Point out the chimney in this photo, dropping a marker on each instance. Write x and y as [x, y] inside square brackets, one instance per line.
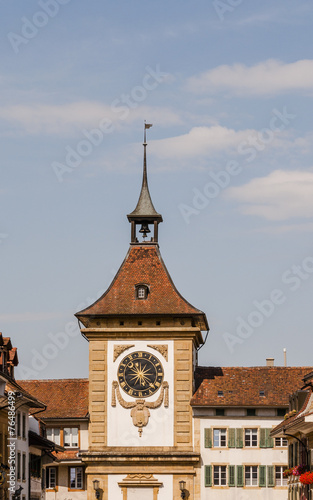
[269, 361]
[285, 356]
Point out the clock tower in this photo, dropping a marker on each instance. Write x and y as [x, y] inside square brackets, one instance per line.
[143, 340]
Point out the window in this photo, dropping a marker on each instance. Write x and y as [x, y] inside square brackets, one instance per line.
[76, 478]
[220, 393]
[220, 412]
[251, 437]
[70, 435]
[24, 467]
[51, 478]
[53, 434]
[219, 438]
[280, 480]
[18, 465]
[251, 475]
[279, 442]
[219, 475]
[18, 424]
[251, 412]
[35, 465]
[142, 292]
[262, 393]
[24, 425]
[280, 412]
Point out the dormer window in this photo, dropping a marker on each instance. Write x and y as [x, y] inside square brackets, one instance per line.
[142, 292]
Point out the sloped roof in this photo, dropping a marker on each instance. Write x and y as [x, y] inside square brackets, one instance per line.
[143, 264]
[65, 398]
[241, 386]
[66, 455]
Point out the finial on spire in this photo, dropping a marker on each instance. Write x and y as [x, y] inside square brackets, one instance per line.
[145, 212]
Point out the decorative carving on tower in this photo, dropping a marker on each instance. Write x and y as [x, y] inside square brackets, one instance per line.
[140, 407]
[119, 349]
[161, 348]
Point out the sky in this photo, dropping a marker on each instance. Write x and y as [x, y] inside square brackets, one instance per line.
[228, 87]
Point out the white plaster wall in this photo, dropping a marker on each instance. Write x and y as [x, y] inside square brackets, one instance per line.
[165, 491]
[241, 456]
[160, 428]
[83, 435]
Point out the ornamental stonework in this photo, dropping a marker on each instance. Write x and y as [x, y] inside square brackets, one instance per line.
[119, 349]
[162, 349]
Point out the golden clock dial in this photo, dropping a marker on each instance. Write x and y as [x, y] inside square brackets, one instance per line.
[140, 374]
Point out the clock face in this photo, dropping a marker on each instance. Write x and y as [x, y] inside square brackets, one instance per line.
[140, 374]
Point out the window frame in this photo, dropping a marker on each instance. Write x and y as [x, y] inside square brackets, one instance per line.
[48, 485]
[52, 437]
[281, 440]
[24, 467]
[18, 424]
[283, 481]
[76, 487]
[19, 470]
[249, 434]
[222, 436]
[249, 469]
[71, 437]
[221, 475]
[23, 425]
[141, 291]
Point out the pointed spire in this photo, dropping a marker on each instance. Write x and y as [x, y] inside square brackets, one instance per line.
[145, 206]
[144, 213]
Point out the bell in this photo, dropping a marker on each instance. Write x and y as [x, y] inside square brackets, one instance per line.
[144, 230]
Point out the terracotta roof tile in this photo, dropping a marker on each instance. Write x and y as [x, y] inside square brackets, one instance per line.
[66, 455]
[65, 398]
[241, 386]
[143, 264]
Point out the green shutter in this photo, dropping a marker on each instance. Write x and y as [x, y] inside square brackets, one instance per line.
[208, 475]
[239, 475]
[270, 476]
[231, 438]
[231, 475]
[262, 475]
[239, 438]
[269, 439]
[263, 436]
[208, 438]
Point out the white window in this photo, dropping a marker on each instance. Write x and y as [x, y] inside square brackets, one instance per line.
[76, 478]
[141, 291]
[251, 475]
[279, 442]
[70, 437]
[280, 480]
[51, 477]
[251, 437]
[219, 438]
[219, 475]
[53, 434]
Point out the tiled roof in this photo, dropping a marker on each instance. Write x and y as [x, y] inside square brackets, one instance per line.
[143, 264]
[241, 386]
[65, 398]
[291, 419]
[66, 455]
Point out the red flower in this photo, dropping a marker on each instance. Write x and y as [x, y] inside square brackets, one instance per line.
[306, 478]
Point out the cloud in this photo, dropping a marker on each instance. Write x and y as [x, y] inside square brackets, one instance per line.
[268, 77]
[279, 196]
[73, 117]
[199, 141]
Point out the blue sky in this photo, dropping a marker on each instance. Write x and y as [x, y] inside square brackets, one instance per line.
[228, 86]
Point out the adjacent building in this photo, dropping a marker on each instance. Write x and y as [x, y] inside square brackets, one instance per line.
[297, 429]
[65, 423]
